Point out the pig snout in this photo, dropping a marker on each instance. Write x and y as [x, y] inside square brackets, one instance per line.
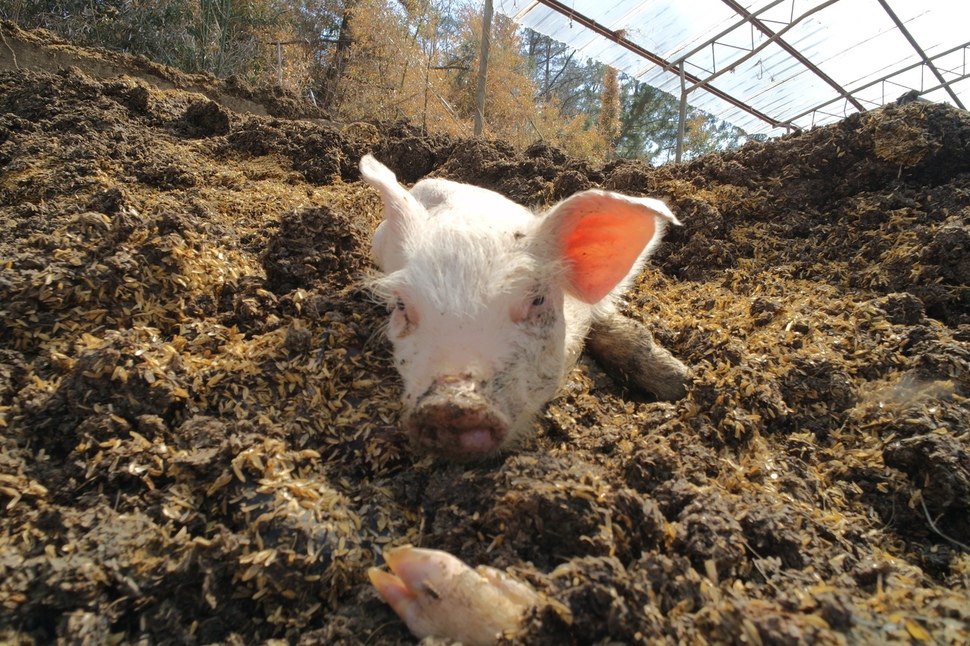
[454, 418]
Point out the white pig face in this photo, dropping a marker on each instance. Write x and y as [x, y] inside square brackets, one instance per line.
[489, 302]
[478, 331]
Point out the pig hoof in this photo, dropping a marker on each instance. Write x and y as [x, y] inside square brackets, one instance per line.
[437, 595]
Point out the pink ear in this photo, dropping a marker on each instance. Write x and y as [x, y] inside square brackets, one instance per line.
[399, 205]
[401, 211]
[602, 235]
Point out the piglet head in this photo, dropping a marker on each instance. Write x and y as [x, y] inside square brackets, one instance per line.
[489, 302]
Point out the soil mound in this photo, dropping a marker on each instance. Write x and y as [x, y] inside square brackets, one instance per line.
[197, 411]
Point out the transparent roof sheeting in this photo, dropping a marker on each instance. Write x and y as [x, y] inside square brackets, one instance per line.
[768, 65]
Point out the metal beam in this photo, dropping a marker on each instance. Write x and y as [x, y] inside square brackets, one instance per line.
[714, 39]
[892, 74]
[946, 84]
[693, 81]
[620, 39]
[773, 37]
[922, 54]
[794, 53]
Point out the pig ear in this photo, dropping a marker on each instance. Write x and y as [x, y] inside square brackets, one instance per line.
[602, 237]
[401, 212]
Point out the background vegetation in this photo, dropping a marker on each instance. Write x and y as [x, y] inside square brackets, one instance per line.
[404, 59]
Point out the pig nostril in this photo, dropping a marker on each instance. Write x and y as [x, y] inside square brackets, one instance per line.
[457, 423]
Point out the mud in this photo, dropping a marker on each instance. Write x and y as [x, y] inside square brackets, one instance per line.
[199, 416]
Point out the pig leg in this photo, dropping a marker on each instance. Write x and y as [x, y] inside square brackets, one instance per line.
[625, 349]
[437, 595]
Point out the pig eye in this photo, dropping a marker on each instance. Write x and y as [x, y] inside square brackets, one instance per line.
[403, 318]
[531, 307]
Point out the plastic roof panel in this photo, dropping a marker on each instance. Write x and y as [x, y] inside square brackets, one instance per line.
[855, 43]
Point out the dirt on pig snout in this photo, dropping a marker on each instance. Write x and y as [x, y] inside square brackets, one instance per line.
[199, 415]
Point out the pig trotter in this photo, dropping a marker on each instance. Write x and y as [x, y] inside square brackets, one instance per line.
[626, 351]
[437, 595]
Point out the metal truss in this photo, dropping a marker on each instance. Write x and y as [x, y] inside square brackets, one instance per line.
[692, 82]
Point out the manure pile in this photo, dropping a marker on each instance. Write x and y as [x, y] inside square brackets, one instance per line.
[198, 412]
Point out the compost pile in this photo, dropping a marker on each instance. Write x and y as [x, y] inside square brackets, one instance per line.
[199, 414]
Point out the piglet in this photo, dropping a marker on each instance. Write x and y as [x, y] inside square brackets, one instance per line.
[491, 304]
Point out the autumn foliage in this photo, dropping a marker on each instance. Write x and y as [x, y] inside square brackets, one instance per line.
[366, 60]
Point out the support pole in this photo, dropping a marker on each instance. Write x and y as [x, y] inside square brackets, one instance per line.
[279, 61]
[682, 120]
[483, 68]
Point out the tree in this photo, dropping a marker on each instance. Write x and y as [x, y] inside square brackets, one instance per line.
[649, 127]
[562, 77]
[648, 122]
[705, 134]
[219, 36]
[510, 106]
[609, 119]
[394, 59]
[325, 27]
